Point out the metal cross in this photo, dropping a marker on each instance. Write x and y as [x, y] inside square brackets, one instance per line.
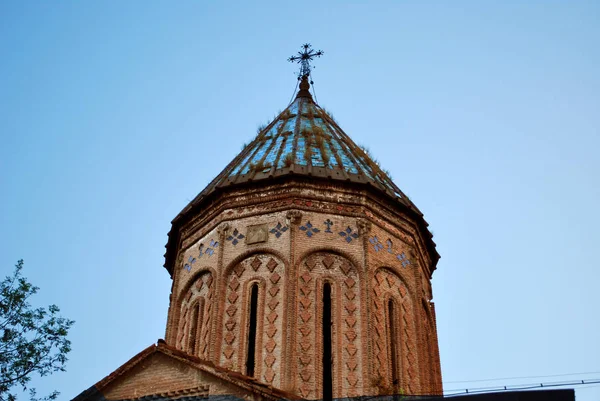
[304, 58]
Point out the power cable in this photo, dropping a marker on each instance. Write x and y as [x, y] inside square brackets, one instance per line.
[522, 377]
[450, 393]
[587, 387]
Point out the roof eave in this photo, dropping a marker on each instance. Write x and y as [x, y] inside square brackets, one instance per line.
[195, 208]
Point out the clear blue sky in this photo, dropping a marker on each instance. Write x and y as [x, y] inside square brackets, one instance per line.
[113, 115]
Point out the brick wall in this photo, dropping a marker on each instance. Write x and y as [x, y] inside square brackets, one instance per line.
[290, 240]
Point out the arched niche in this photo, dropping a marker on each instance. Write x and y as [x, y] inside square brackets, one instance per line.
[194, 320]
[314, 271]
[267, 269]
[394, 334]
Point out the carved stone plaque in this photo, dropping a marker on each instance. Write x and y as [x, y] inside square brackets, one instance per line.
[256, 234]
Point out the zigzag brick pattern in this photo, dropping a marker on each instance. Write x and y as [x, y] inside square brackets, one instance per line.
[386, 285]
[346, 333]
[201, 291]
[269, 324]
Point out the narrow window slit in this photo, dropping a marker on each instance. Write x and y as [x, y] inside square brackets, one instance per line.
[252, 331]
[196, 327]
[394, 370]
[199, 326]
[327, 356]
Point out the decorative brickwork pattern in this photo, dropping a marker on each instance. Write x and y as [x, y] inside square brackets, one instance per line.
[268, 272]
[290, 300]
[387, 285]
[199, 293]
[314, 271]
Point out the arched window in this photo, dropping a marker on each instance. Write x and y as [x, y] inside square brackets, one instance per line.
[327, 359]
[252, 331]
[393, 344]
[196, 327]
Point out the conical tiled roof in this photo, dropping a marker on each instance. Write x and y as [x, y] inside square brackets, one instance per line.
[304, 140]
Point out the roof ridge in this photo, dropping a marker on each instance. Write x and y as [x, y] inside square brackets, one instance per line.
[209, 367]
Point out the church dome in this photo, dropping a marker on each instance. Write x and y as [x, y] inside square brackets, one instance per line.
[303, 141]
[302, 266]
[300, 272]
